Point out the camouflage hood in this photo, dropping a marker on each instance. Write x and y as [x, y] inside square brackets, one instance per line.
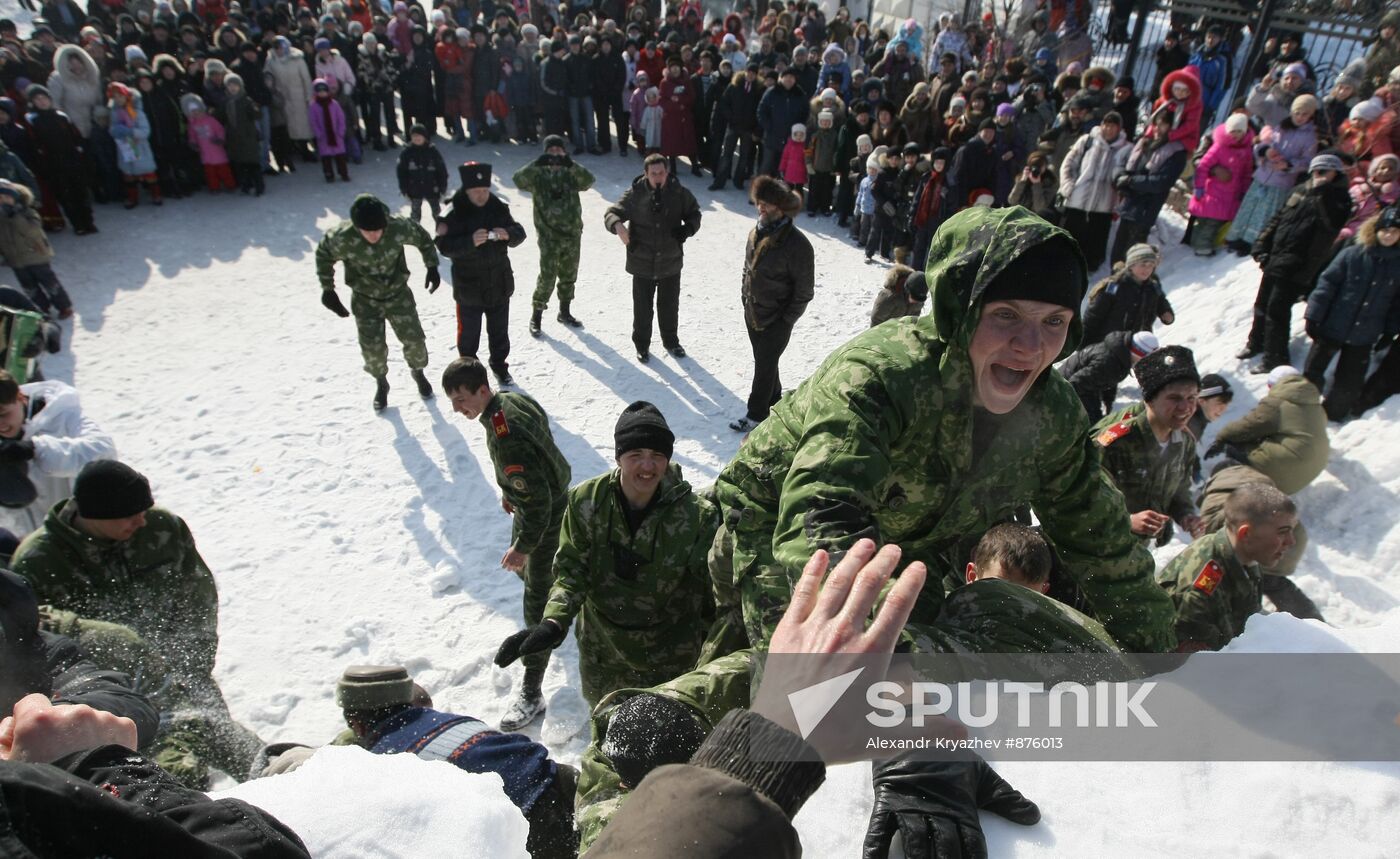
[969, 250]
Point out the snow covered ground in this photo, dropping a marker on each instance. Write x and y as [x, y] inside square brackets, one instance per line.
[339, 536]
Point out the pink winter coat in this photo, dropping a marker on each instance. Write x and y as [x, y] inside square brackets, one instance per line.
[327, 143]
[793, 164]
[207, 135]
[1216, 199]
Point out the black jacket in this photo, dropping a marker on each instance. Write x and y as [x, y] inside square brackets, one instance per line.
[554, 78]
[422, 172]
[609, 75]
[110, 801]
[973, 167]
[1120, 303]
[481, 276]
[658, 222]
[740, 107]
[1297, 240]
[1099, 367]
[253, 83]
[779, 275]
[778, 111]
[579, 75]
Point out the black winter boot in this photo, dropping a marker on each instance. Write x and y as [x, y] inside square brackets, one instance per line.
[536, 319]
[381, 393]
[425, 388]
[566, 317]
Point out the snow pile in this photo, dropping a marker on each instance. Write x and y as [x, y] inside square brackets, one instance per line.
[346, 802]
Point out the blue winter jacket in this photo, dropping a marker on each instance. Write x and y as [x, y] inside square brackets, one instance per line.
[1354, 302]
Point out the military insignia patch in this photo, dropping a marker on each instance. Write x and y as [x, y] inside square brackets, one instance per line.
[514, 469]
[1113, 433]
[518, 483]
[1209, 577]
[498, 422]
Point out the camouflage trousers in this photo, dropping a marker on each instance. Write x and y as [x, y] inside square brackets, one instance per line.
[558, 263]
[401, 313]
[197, 732]
[538, 577]
[611, 657]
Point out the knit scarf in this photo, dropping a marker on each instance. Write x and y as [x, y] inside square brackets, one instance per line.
[329, 121]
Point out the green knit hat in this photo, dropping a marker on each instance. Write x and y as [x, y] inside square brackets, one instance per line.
[373, 687]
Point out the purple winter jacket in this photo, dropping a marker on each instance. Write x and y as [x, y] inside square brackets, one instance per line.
[1219, 200]
[324, 146]
[1296, 145]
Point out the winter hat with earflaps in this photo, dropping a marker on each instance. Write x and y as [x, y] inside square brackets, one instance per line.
[190, 102]
[1163, 367]
[775, 192]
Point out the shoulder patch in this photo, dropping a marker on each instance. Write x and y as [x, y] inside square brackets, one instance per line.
[514, 469]
[1113, 433]
[498, 422]
[1209, 577]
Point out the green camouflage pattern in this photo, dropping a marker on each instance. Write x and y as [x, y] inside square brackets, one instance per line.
[1149, 477]
[534, 479]
[1204, 614]
[558, 224]
[709, 691]
[401, 312]
[1217, 491]
[379, 270]
[878, 443]
[642, 601]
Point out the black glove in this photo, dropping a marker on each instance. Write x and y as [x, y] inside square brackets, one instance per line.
[332, 303]
[16, 450]
[934, 805]
[1122, 181]
[53, 338]
[1313, 329]
[433, 280]
[546, 635]
[680, 234]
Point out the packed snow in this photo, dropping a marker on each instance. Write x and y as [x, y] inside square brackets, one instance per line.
[339, 536]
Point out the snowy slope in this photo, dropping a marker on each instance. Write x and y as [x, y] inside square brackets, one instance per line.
[338, 536]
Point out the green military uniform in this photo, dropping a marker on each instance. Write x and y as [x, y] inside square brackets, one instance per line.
[1213, 592]
[377, 275]
[883, 441]
[534, 480]
[150, 605]
[1150, 476]
[642, 598]
[558, 224]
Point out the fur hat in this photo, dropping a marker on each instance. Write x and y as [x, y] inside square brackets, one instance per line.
[475, 174]
[373, 687]
[215, 67]
[1163, 367]
[775, 192]
[825, 116]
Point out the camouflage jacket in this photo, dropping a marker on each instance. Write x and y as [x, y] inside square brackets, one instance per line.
[879, 443]
[1149, 477]
[647, 592]
[377, 271]
[1213, 592]
[556, 190]
[532, 473]
[156, 583]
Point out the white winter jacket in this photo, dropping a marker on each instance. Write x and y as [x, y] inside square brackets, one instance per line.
[64, 441]
[1086, 176]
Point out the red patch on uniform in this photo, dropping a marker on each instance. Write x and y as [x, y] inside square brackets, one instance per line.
[1113, 433]
[498, 421]
[514, 469]
[1209, 577]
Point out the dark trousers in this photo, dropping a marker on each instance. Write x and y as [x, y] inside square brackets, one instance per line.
[735, 156]
[667, 292]
[375, 106]
[768, 161]
[1273, 315]
[1090, 229]
[845, 198]
[1346, 381]
[1129, 233]
[249, 176]
[923, 237]
[602, 110]
[497, 331]
[339, 164]
[43, 287]
[415, 207]
[819, 190]
[881, 238]
[768, 346]
[1382, 384]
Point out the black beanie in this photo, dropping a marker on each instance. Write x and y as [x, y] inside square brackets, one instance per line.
[551, 140]
[916, 286]
[649, 731]
[1159, 369]
[107, 489]
[642, 425]
[368, 213]
[1051, 271]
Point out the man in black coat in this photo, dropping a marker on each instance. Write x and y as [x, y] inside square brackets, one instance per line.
[738, 108]
[707, 87]
[579, 88]
[779, 110]
[1096, 370]
[1290, 251]
[652, 220]
[779, 276]
[476, 234]
[554, 83]
[609, 77]
[974, 167]
[249, 66]
[486, 75]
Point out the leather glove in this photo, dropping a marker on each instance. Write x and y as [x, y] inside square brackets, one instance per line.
[333, 304]
[546, 635]
[433, 280]
[1314, 331]
[16, 450]
[934, 805]
[680, 234]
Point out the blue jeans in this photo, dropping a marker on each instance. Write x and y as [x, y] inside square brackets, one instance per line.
[581, 122]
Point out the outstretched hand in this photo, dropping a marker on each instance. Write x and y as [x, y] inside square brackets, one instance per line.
[40, 733]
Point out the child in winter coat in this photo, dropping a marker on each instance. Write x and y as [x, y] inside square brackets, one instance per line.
[1181, 94]
[792, 165]
[241, 137]
[1380, 187]
[1222, 177]
[26, 249]
[903, 294]
[422, 173]
[206, 136]
[865, 201]
[132, 131]
[328, 126]
[649, 131]
[821, 164]
[883, 191]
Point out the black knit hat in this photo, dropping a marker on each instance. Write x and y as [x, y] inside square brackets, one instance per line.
[418, 128]
[1161, 368]
[642, 426]
[553, 140]
[368, 213]
[648, 731]
[475, 174]
[1215, 385]
[1050, 271]
[107, 489]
